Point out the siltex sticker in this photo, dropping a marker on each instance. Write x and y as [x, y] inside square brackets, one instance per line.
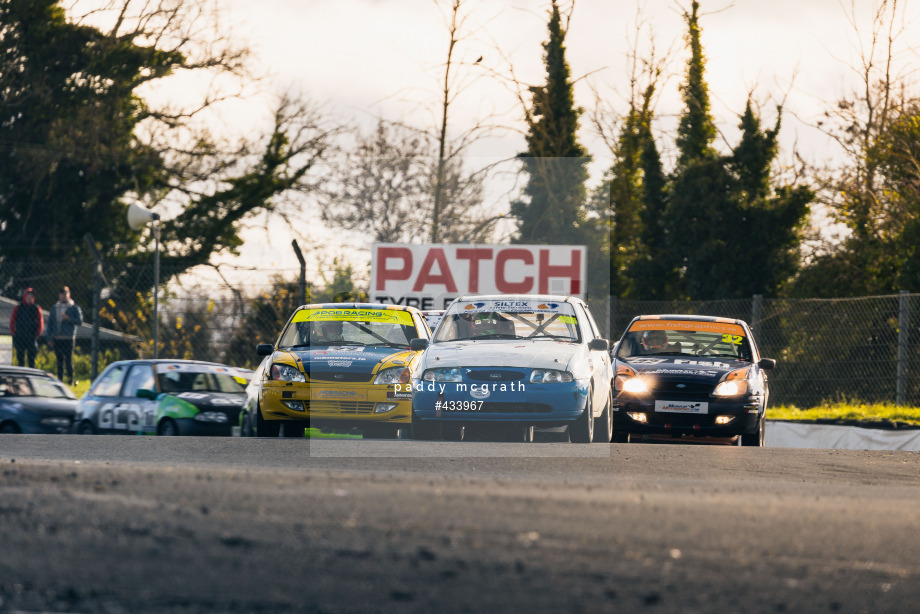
[512, 306]
[354, 315]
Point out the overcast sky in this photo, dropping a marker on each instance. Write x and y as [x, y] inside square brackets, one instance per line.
[383, 58]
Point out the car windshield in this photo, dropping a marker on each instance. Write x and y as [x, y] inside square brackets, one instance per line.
[197, 381]
[348, 327]
[685, 338]
[495, 319]
[24, 386]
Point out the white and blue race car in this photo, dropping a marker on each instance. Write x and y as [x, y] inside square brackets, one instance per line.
[509, 364]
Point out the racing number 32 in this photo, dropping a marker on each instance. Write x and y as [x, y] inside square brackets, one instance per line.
[732, 339]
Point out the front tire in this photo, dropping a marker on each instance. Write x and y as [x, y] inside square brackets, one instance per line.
[265, 428]
[582, 428]
[757, 438]
[603, 426]
[9, 428]
[246, 429]
[423, 431]
[289, 430]
[167, 428]
[378, 431]
[86, 428]
[452, 432]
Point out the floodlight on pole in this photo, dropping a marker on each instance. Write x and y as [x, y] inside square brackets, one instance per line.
[138, 217]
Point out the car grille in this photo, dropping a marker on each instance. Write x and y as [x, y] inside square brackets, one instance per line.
[680, 419]
[691, 391]
[516, 408]
[341, 407]
[332, 376]
[494, 375]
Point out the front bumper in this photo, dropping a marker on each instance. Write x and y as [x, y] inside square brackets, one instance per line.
[326, 402]
[538, 404]
[192, 427]
[46, 426]
[743, 417]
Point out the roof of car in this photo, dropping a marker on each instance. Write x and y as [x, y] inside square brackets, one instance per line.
[24, 371]
[520, 297]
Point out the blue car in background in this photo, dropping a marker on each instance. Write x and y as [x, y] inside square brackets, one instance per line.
[34, 402]
[510, 364]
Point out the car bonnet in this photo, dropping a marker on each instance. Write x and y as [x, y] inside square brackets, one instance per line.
[351, 359]
[532, 354]
[680, 367]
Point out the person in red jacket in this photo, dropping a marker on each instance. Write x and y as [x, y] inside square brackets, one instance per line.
[26, 325]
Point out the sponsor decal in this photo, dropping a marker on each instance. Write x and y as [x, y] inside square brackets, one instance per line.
[647, 361]
[682, 407]
[479, 392]
[511, 306]
[399, 395]
[391, 316]
[705, 327]
[339, 363]
[683, 372]
[700, 363]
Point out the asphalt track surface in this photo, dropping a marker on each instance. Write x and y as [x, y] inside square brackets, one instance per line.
[144, 524]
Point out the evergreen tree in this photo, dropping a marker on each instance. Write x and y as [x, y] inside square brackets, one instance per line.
[696, 130]
[729, 233]
[552, 209]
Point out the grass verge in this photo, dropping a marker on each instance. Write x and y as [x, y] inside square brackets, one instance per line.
[871, 415]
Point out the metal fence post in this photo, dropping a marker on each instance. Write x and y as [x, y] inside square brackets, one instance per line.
[756, 314]
[98, 278]
[903, 330]
[612, 314]
[303, 272]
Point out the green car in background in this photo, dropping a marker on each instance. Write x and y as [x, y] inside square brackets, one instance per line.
[163, 397]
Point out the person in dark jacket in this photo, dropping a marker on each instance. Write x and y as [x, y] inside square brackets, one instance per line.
[26, 325]
[63, 320]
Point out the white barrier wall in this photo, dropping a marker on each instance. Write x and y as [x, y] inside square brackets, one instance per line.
[829, 436]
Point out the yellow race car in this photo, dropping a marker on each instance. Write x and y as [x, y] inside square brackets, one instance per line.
[336, 367]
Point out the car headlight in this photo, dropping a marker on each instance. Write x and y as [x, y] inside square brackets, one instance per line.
[635, 385]
[627, 380]
[443, 375]
[212, 416]
[550, 376]
[287, 373]
[733, 384]
[396, 375]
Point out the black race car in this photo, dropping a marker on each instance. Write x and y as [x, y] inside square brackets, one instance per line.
[690, 376]
[34, 402]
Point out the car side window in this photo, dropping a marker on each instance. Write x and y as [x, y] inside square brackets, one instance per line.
[139, 378]
[594, 327]
[590, 331]
[421, 326]
[109, 383]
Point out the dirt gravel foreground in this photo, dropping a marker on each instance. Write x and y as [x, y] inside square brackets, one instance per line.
[465, 535]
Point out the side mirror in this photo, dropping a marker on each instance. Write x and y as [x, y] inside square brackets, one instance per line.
[598, 345]
[418, 345]
[767, 363]
[264, 349]
[143, 393]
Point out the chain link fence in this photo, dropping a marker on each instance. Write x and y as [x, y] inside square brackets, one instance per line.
[858, 349]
